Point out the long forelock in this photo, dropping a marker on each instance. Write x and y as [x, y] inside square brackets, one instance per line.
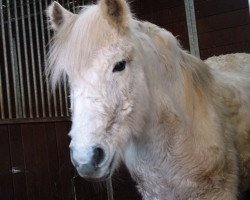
[74, 45]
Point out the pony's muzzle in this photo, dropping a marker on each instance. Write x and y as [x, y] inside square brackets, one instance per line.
[90, 166]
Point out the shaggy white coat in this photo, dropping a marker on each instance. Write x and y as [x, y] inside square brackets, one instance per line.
[181, 125]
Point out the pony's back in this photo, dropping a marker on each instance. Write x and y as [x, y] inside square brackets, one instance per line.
[233, 72]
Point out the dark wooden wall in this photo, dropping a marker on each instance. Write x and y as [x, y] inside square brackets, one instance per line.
[168, 14]
[40, 151]
[223, 26]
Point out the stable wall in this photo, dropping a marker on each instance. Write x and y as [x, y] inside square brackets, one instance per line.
[223, 26]
[35, 164]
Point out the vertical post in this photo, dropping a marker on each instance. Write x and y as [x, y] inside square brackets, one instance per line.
[73, 3]
[23, 106]
[192, 30]
[17, 82]
[39, 60]
[5, 62]
[44, 56]
[60, 97]
[12, 60]
[26, 60]
[32, 60]
[249, 5]
[1, 95]
[1, 68]
[49, 38]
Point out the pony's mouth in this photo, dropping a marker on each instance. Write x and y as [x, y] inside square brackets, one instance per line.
[97, 175]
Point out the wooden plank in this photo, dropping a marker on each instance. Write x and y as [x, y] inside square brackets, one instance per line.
[37, 173]
[224, 37]
[43, 174]
[233, 48]
[213, 7]
[166, 16]
[53, 159]
[30, 160]
[149, 6]
[224, 20]
[6, 187]
[65, 167]
[17, 161]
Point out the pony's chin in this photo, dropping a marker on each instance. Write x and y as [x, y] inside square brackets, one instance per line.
[96, 177]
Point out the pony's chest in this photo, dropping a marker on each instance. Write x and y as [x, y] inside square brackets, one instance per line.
[162, 182]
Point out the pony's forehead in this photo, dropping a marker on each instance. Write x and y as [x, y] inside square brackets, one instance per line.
[79, 42]
[91, 32]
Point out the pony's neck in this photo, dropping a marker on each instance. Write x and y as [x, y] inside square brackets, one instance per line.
[183, 120]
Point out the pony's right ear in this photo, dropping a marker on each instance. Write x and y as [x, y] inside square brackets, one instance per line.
[58, 15]
[117, 12]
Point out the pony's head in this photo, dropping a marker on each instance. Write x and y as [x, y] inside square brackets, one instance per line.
[111, 65]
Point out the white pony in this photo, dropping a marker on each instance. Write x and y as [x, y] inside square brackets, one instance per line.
[181, 125]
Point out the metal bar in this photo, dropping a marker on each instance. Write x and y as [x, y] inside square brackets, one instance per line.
[12, 60]
[39, 59]
[32, 60]
[54, 95]
[60, 98]
[17, 84]
[66, 95]
[192, 30]
[249, 5]
[1, 96]
[5, 64]
[60, 89]
[20, 63]
[74, 9]
[44, 57]
[109, 189]
[68, 4]
[1, 86]
[26, 63]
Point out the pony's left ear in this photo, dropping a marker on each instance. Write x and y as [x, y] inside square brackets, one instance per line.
[58, 15]
[117, 12]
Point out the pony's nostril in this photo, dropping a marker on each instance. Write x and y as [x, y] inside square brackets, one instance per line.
[98, 156]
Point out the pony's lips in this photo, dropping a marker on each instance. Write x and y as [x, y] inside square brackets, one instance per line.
[107, 173]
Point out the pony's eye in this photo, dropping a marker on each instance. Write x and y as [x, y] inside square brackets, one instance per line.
[120, 66]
